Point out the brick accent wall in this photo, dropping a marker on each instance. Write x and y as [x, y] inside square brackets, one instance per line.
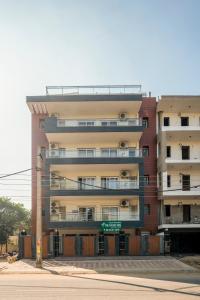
[148, 109]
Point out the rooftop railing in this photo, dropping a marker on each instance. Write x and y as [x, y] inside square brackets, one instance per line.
[94, 89]
[99, 122]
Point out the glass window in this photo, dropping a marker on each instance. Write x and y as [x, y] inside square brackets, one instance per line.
[185, 152]
[145, 122]
[86, 213]
[132, 152]
[145, 150]
[86, 152]
[86, 183]
[184, 121]
[146, 179]
[62, 152]
[168, 151]
[109, 182]
[147, 209]
[113, 123]
[166, 121]
[109, 213]
[168, 180]
[86, 123]
[109, 152]
[167, 210]
[113, 152]
[186, 182]
[90, 123]
[82, 123]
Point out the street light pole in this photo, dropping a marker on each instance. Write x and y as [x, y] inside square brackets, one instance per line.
[39, 213]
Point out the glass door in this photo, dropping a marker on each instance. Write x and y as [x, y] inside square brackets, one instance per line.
[86, 183]
[86, 213]
[109, 182]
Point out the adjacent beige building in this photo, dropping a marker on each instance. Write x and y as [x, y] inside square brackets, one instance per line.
[179, 169]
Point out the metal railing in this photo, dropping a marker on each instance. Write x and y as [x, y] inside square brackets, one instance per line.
[179, 220]
[95, 185]
[99, 122]
[93, 89]
[81, 217]
[91, 153]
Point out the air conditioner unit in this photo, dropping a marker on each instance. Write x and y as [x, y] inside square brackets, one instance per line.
[124, 173]
[55, 207]
[123, 116]
[55, 115]
[53, 145]
[124, 203]
[123, 144]
[54, 174]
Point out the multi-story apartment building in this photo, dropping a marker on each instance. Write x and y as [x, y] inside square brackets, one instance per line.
[99, 168]
[179, 171]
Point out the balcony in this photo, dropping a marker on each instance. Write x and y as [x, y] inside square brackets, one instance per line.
[95, 185]
[92, 153]
[182, 162]
[179, 128]
[85, 131]
[95, 188]
[95, 217]
[179, 191]
[93, 160]
[177, 222]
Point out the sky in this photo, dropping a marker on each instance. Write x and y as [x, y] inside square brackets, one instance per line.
[155, 43]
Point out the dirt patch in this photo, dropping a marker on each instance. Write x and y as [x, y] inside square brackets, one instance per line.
[193, 261]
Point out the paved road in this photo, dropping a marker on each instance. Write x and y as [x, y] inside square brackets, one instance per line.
[93, 286]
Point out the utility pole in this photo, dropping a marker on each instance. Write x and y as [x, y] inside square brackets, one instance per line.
[39, 213]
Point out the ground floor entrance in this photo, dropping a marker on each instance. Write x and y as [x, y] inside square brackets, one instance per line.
[182, 242]
[88, 245]
[185, 242]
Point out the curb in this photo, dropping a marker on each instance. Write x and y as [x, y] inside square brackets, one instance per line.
[100, 271]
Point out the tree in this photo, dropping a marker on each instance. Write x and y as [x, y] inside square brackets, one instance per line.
[13, 217]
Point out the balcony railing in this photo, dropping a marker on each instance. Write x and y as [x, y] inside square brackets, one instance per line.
[77, 217]
[195, 127]
[91, 153]
[180, 160]
[96, 185]
[178, 220]
[99, 122]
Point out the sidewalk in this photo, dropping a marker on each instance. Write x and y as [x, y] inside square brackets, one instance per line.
[85, 265]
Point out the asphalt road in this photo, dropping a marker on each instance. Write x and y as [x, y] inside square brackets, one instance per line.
[97, 286]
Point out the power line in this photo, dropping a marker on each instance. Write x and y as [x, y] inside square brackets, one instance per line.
[11, 174]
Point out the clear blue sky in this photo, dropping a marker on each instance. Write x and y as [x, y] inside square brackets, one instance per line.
[54, 42]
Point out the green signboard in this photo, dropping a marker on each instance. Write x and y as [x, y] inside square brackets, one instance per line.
[111, 226]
